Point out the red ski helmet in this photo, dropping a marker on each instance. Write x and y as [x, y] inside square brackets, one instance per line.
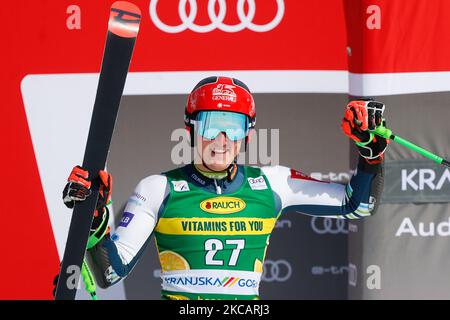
[219, 94]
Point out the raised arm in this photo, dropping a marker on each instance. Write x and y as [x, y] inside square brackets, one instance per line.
[295, 191]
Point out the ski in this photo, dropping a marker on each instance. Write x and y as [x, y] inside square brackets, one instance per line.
[123, 27]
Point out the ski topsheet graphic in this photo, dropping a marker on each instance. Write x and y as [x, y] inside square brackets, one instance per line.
[123, 27]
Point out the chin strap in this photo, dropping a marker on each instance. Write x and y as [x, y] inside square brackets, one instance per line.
[230, 172]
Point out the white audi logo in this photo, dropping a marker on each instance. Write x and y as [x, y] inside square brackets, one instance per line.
[276, 270]
[328, 225]
[217, 20]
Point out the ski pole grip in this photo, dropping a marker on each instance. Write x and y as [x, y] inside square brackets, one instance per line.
[88, 279]
[383, 132]
[387, 134]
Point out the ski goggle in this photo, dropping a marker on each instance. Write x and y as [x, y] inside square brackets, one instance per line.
[210, 123]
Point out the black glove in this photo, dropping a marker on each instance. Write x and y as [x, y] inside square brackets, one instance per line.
[362, 116]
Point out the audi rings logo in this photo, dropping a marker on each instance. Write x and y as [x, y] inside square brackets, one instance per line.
[217, 19]
[328, 225]
[276, 270]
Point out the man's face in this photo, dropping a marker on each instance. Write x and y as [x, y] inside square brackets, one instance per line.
[219, 135]
[218, 153]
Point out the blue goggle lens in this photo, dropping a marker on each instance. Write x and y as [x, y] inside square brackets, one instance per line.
[211, 123]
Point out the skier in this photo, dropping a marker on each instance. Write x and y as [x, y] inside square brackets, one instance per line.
[212, 219]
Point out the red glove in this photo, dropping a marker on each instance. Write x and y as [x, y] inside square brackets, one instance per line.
[79, 184]
[360, 117]
[105, 191]
[77, 187]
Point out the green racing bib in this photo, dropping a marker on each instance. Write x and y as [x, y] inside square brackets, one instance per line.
[212, 246]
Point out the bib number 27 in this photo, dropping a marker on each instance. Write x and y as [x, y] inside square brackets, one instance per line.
[212, 246]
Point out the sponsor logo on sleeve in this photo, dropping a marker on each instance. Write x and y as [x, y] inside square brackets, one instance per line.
[110, 275]
[139, 196]
[126, 219]
[300, 175]
[340, 177]
[258, 183]
[180, 186]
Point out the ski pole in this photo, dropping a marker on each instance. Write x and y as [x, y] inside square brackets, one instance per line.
[88, 280]
[387, 134]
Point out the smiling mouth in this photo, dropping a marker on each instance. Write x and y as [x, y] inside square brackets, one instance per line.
[216, 151]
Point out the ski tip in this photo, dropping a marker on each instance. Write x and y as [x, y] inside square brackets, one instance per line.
[124, 19]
